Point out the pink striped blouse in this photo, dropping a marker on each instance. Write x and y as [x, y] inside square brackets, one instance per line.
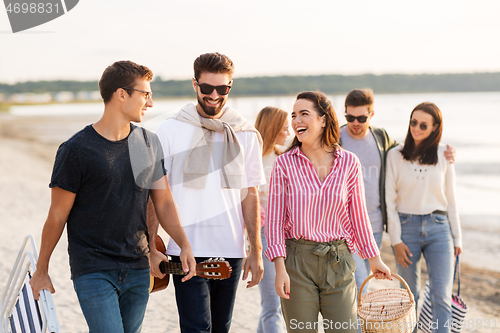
[301, 207]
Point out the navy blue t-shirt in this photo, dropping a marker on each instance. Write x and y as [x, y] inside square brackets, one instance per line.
[111, 179]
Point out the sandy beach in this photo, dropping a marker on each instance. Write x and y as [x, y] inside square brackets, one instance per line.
[27, 150]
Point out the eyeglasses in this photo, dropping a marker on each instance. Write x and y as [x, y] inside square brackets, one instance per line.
[207, 89]
[149, 94]
[414, 123]
[361, 119]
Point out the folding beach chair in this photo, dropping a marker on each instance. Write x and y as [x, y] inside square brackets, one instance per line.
[19, 311]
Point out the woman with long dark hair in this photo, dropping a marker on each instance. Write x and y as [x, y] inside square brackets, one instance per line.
[422, 212]
[316, 218]
[272, 123]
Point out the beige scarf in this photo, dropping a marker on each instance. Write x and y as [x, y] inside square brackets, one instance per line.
[197, 164]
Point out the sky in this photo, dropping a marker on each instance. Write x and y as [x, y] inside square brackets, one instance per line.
[263, 38]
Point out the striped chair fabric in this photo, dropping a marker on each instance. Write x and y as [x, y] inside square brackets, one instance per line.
[26, 317]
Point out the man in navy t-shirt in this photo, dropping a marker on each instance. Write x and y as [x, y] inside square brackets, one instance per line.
[100, 183]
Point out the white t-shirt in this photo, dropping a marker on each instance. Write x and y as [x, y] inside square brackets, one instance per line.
[212, 217]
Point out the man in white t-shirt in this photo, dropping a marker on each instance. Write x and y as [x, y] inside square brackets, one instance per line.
[214, 167]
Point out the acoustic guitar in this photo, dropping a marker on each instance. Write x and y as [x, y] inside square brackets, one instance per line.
[210, 269]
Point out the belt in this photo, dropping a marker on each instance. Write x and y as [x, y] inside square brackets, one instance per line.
[440, 212]
[331, 250]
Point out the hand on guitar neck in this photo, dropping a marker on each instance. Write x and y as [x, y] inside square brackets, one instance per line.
[209, 269]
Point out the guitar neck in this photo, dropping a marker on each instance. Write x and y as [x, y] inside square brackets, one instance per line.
[172, 268]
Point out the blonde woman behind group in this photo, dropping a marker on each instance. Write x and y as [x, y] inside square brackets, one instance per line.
[272, 123]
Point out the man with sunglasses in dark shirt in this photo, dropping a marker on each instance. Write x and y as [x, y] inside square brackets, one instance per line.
[370, 144]
[214, 167]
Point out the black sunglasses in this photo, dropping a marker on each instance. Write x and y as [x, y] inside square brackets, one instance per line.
[148, 94]
[360, 119]
[207, 89]
[414, 123]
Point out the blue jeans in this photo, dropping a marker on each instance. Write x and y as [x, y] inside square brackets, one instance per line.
[206, 305]
[363, 269]
[271, 319]
[113, 300]
[430, 235]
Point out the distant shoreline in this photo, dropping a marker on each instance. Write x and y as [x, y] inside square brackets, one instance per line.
[5, 106]
[285, 85]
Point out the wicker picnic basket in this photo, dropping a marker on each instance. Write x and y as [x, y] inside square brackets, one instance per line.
[387, 310]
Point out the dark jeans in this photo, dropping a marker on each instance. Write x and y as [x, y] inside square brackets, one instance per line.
[206, 305]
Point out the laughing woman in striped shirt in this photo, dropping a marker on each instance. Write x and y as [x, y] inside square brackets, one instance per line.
[317, 217]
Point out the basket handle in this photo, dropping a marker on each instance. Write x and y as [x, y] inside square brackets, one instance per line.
[392, 274]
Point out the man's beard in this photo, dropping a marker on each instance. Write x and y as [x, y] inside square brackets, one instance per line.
[210, 110]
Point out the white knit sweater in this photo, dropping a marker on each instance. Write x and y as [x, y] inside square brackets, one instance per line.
[412, 188]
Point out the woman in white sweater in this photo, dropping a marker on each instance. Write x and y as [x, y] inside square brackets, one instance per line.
[272, 123]
[422, 212]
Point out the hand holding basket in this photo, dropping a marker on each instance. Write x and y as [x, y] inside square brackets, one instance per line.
[387, 310]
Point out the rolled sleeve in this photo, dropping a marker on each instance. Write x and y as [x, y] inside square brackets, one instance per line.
[275, 251]
[253, 171]
[67, 173]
